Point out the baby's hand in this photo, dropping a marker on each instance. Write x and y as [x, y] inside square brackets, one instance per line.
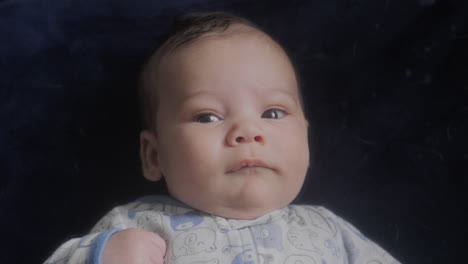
[134, 246]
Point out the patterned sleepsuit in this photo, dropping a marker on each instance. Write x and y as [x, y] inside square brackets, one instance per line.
[291, 235]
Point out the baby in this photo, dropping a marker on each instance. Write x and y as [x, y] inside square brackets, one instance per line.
[225, 128]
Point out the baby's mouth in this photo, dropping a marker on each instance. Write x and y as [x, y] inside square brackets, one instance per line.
[248, 163]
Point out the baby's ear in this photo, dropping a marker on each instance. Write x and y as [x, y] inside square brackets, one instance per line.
[149, 156]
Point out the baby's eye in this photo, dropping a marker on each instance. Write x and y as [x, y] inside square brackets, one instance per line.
[206, 118]
[274, 114]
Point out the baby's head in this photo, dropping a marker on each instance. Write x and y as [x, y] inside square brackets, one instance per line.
[224, 120]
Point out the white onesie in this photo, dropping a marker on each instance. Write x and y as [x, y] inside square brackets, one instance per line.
[291, 235]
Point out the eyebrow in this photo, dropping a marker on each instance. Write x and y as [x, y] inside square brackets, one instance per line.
[290, 95]
[191, 95]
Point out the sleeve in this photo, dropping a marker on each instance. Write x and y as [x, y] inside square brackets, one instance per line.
[358, 248]
[88, 249]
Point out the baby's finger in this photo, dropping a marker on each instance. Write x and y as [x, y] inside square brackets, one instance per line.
[158, 242]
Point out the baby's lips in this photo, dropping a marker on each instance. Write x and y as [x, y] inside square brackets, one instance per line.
[248, 163]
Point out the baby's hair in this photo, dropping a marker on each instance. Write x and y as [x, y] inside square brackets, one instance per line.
[185, 29]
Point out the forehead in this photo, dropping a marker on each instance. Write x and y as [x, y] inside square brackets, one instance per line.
[239, 57]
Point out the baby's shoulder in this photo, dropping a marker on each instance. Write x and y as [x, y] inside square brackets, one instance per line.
[151, 213]
[312, 217]
[312, 211]
[154, 205]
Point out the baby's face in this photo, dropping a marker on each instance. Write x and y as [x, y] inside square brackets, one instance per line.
[231, 133]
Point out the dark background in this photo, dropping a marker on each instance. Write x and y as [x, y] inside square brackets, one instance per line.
[386, 88]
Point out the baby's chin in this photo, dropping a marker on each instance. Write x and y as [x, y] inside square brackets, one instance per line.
[247, 203]
[242, 210]
[245, 213]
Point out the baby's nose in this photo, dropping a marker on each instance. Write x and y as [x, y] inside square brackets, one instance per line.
[241, 139]
[245, 133]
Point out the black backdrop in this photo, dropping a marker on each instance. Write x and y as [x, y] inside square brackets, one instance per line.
[386, 89]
